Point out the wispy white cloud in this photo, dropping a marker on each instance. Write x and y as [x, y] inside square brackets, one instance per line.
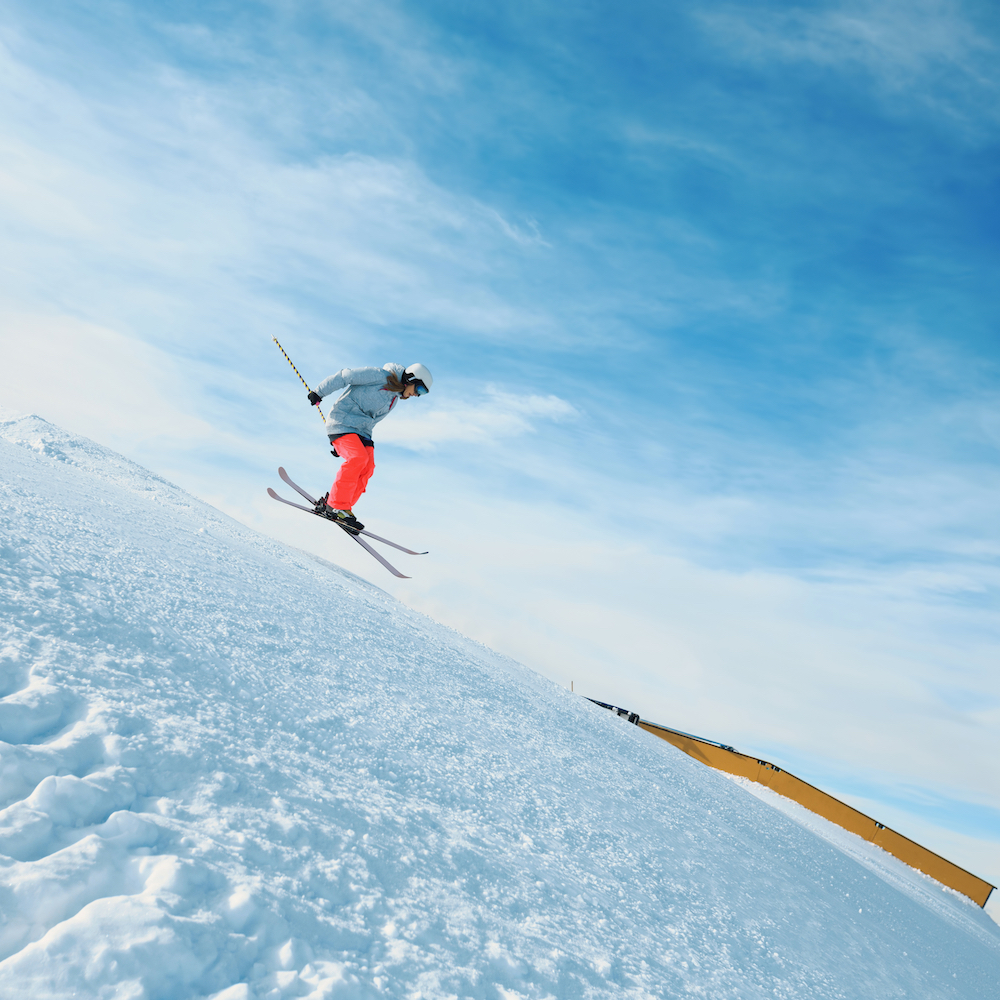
[931, 49]
[493, 416]
[526, 234]
[193, 195]
[640, 134]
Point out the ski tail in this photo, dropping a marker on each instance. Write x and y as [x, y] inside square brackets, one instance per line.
[385, 562]
[385, 541]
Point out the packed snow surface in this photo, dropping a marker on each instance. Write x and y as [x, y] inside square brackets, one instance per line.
[233, 770]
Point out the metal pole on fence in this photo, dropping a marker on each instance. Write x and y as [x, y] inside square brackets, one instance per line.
[301, 379]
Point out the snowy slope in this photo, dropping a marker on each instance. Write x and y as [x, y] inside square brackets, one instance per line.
[232, 770]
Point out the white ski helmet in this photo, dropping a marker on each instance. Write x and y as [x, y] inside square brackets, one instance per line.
[418, 373]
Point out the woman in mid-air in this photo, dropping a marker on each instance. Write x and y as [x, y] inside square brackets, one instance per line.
[371, 394]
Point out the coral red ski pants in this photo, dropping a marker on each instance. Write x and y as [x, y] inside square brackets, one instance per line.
[354, 471]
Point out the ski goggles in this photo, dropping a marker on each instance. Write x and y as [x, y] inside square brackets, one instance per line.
[422, 389]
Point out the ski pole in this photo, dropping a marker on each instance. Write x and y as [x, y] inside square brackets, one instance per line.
[301, 379]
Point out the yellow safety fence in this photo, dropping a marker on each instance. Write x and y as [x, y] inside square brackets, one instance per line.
[725, 759]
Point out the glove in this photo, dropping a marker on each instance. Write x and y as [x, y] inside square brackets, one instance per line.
[314, 398]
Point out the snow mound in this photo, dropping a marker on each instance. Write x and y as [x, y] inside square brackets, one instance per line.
[46, 439]
[229, 770]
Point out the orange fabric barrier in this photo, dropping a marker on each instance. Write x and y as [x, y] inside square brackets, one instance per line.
[827, 806]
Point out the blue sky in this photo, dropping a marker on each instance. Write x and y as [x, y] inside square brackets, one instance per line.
[707, 290]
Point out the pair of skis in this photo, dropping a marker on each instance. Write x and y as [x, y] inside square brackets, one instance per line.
[378, 538]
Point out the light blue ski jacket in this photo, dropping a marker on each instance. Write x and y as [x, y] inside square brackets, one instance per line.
[365, 403]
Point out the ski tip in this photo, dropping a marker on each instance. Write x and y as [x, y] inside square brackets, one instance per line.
[272, 494]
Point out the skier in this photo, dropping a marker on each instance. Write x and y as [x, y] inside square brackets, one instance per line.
[371, 394]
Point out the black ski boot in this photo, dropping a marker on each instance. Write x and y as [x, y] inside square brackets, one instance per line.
[345, 518]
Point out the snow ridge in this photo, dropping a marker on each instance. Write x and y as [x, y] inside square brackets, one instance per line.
[230, 770]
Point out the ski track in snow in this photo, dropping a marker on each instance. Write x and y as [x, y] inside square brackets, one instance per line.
[232, 770]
